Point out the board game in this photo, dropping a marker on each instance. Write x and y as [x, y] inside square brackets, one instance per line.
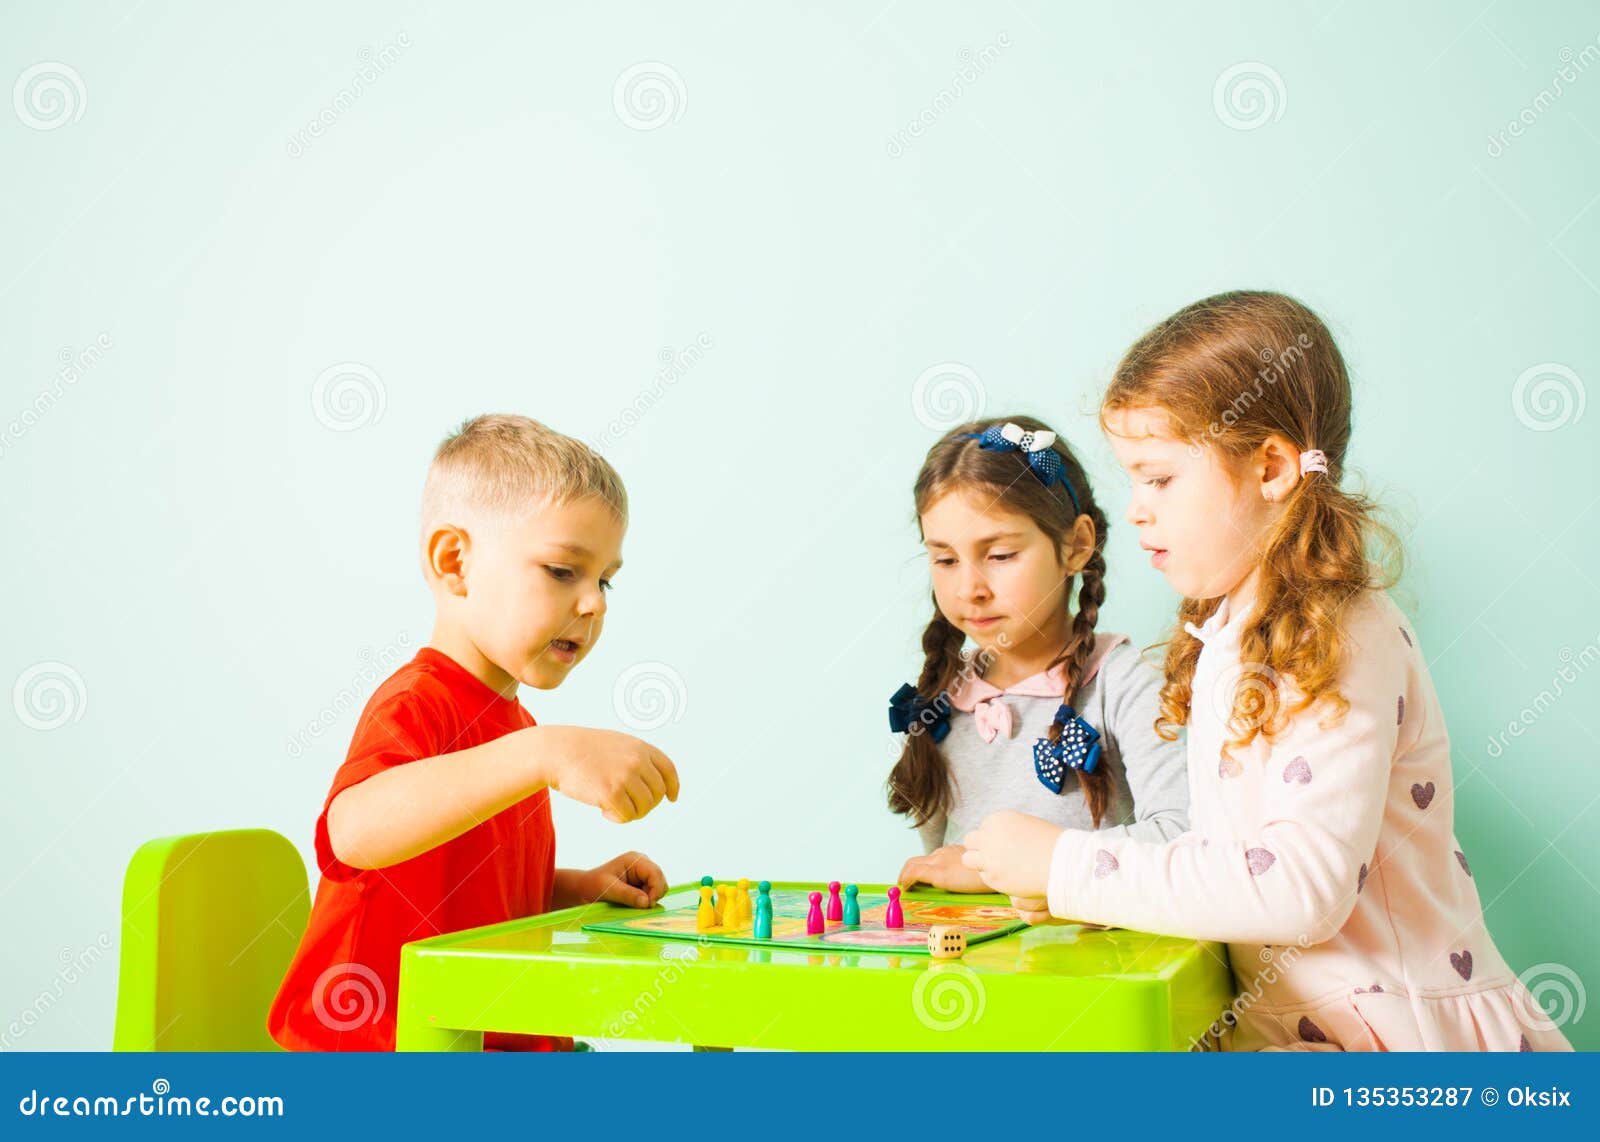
[981, 922]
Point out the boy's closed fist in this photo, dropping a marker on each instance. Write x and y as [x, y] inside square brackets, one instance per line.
[617, 773]
[632, 880]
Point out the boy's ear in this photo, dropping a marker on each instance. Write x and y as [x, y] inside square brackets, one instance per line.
[446, 558]
[1279, 461]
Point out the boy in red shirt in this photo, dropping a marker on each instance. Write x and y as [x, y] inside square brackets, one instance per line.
[439, 818]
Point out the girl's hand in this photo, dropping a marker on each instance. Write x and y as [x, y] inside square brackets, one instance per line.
[1032, 909]
[942, 868]
[1012, 852]
[632, 880]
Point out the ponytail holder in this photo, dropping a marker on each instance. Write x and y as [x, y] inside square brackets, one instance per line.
[908, 709]
[1043, 460]
[1313, 461]
[1078, 747]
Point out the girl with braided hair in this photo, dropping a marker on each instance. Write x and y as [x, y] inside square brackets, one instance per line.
[1044, 715]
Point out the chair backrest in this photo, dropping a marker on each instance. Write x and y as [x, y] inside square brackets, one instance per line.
[209, 924]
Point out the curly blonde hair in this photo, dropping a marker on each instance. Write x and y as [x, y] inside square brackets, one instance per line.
[1227, 372]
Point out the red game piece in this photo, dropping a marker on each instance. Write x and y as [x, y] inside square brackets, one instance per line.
[835, 905]
[893, 917]
[814, 924]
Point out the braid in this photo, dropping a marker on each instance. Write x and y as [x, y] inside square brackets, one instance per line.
[1079, 649]
[919, 784]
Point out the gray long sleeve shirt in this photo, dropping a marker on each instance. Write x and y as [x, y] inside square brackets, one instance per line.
[1149, 777]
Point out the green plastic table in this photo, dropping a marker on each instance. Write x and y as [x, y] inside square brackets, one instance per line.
[1053, 987]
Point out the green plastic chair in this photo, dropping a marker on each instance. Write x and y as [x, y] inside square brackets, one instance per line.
[209, 924]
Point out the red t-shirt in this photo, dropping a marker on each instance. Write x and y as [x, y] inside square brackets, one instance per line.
[340, 991]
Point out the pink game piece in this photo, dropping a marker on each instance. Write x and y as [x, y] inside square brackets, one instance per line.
[835, 905]
[893, 917]
[814, 924]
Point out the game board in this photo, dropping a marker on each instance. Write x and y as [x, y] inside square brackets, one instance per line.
[981, 922]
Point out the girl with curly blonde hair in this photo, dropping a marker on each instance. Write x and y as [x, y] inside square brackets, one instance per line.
[1322, 846]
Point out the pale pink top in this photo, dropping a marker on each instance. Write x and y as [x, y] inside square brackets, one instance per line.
[1327, 861]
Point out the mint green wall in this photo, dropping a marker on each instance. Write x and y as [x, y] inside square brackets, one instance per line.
[210, 551]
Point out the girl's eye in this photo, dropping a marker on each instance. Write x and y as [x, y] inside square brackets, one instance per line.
[944, 562]
[1002, 556]
[1159, 481]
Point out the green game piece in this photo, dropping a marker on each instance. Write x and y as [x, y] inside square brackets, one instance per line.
[852, 906]
[763, 923]
[707, 882]
[765, 887]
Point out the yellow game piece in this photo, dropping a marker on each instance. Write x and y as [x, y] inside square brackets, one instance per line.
[947, 942]
[705, 917]
[727, 910]
[746, 912]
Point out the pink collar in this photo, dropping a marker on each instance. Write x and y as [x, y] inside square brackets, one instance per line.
[993, 717]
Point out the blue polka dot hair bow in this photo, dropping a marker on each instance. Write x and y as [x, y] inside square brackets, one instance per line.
[907, 708]
[1078, 747]
[1044, 460]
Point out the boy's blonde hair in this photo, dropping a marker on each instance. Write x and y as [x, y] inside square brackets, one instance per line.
[501, 466]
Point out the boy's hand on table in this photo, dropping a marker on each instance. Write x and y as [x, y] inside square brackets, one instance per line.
[632, 880]
[617, 773]
[1012, 852]
[942, 868]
